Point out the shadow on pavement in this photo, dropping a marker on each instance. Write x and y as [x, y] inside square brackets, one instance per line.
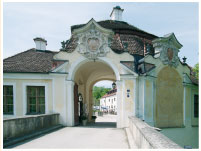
[30, 139]
[99, 125]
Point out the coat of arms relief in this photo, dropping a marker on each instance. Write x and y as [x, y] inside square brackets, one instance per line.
[168, 46]
[93, 43]
[169, 56]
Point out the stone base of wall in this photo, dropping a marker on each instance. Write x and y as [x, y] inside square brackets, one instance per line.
[19, 140]
[14, 128]
[147, 137]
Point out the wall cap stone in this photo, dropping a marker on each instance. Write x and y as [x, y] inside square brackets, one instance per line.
[154, 138]
[29, 116]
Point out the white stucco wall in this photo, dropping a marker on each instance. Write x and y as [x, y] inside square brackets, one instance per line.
[55, 91]
[20, 94]
[109, 102]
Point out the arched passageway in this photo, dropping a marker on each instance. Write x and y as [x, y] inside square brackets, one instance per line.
[86, 75]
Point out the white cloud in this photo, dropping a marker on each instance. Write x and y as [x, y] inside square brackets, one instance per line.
[105, 83]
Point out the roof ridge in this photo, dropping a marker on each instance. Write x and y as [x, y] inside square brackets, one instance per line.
[124, 22]
[19, 53]
[31, 61]
[115, 21]
[31, 49]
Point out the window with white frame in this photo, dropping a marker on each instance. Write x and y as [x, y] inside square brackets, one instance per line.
[35, 99]
[8, 104]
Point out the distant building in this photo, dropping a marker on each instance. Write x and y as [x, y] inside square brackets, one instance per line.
[108, 102]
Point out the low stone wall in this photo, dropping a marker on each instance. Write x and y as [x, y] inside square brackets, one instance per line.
[21, 126]
[147, 137]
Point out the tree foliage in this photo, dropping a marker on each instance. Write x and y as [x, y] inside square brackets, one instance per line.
[98, 92]
[196, 70]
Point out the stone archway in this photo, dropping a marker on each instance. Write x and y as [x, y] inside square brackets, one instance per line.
[84, 72]
[82, 60]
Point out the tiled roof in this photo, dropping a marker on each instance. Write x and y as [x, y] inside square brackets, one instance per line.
[72, 44]
[193, 78]
[31, 61]
[110, 93]
[120, 27]
[145, 67]
[127, 38]
[129, 43]
[129, 64]
[142, 67]
[120, 43]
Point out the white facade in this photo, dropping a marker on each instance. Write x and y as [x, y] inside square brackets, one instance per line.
[109, 103]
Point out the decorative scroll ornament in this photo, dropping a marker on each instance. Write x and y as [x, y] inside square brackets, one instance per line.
[93, 43]
[168, 47]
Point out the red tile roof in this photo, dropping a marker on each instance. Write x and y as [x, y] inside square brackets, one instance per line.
[31, 61]
[120, 27]
[110, 93]
[127, 38]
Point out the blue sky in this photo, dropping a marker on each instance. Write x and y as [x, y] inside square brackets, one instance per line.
[24, 21]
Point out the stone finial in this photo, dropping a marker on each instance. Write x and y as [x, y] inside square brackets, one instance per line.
[184, 59]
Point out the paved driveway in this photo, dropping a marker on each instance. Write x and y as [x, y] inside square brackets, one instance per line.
[103, 134]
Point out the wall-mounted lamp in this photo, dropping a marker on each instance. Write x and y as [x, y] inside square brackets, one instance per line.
[113, 85]
[80, 97]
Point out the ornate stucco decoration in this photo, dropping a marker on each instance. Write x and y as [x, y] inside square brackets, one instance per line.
[168, 47]
[93, 40]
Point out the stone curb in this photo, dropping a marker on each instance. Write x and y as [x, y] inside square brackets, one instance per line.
[131, 143]
[151, 136]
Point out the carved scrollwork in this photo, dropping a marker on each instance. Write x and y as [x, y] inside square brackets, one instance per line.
[168, 47]
[92, 43]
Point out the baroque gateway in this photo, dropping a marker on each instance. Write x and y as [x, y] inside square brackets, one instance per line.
[163, 91]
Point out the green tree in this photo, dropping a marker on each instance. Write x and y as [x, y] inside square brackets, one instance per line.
[196, 70]
[98, 92]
